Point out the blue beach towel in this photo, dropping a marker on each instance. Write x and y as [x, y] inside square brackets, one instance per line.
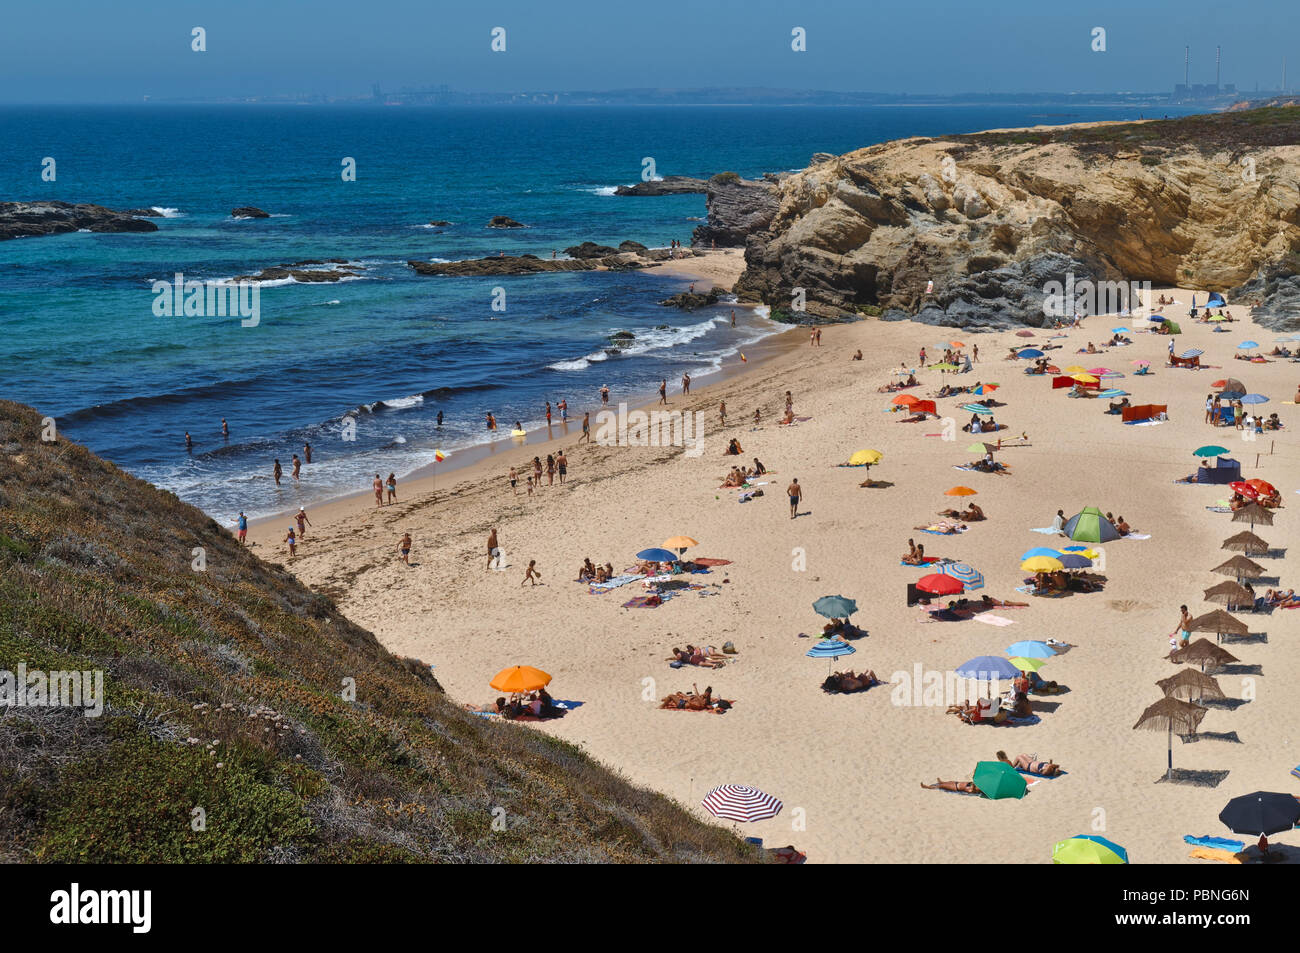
[1219, 843]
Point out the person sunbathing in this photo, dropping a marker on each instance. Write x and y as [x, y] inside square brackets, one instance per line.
[735, 478]
[849, 682]
[496, 708]
[603, 574]
[989, 602]
[788, 418]
[733, 448]
[857, 355]
[1031, 764]
[697, 702]
[943, 527]
[960, 787]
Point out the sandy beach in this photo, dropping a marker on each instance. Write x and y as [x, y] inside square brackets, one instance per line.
[847, 767]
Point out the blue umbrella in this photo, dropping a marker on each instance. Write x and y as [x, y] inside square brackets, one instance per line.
[1074, 561]
[964, 573]
[1031, 649]
[835, 607]
[1253, 399]
[1231, 394]
[1155, 317]
[1118, 330]
[830, 649]
[1030, 352]
[1246, 345]
[1040, 551]
[657, 555]
[987, 668]
[1075, 549]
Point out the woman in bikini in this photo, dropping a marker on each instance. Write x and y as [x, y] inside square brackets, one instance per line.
[1029, 763]
[960, 787]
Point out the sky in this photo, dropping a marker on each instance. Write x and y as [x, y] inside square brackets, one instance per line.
[85, 51]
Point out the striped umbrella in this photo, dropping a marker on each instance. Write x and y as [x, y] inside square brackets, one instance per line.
[740, 802]
[1191, 353]
[830, 649]
[964, 573]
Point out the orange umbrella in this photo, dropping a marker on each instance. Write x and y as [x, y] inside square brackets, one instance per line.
[1262, 486]
[680, 543]
[955, 344]
[520, 678]
[960, 491]
[905, 400]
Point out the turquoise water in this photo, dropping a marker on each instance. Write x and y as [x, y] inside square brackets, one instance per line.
[390, 349]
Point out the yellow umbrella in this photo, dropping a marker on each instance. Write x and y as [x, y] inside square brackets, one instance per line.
[520, 678]
[1074, 369]
[680, 543]
[866, 457]
[1041, 564]
[1028, 664]
[1084, 378]
[959, 491]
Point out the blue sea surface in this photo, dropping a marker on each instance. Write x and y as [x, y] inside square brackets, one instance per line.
[389, 349]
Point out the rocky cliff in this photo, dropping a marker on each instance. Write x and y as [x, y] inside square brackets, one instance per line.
[991, 218]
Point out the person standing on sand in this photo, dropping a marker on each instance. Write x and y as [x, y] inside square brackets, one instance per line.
[306, 452]
[686, 384]
[293, 544]
[975, 352]
[548, 413]
[378, 486]
[530, 486]
[1184, 629]
[923, 357]
[297, 467]
[550, 470]
[1058, 522]
[531, 574]
[663, 391]
[514, 481]
[722, 412]
[537, 471]
[243, 528]
[494, 549]
[303, 522]
[277, 472]
[564, 410]
[586, 428]
[562, 464]
[392, 488]
[404, 547]
[795, 492]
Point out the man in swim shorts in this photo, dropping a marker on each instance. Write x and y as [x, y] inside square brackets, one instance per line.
[243, 527]
[404, 546]
[494, 550]
[562, 463]
[795, 492]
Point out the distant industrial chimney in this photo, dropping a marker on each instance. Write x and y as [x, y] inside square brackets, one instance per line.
[1187, 53]
[1217, 87]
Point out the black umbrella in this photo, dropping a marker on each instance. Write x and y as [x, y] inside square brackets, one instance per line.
[1264, 812]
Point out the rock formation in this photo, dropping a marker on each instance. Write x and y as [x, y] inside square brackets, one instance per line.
[591, 250]
[737, 208]
[504, 221]
[522, 265]
[307, 272]
[32, 219]
[668, 185]
[248, 211]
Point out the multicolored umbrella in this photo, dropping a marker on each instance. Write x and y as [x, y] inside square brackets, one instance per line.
[740, 802]
[1090, 526]
[830, 649]
[964, 573]
[1088, 849]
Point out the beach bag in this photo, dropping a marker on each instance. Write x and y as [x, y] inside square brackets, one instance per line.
[728, 648]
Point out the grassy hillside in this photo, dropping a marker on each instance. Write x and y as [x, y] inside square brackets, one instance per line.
[224, 691]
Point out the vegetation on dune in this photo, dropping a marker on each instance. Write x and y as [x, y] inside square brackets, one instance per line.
[225, 692]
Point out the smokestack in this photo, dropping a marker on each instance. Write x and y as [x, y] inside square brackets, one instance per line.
[1216, 68]
[1187, 53]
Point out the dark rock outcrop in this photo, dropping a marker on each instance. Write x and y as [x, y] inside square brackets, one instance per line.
[521, 265]
[1276, 288]
[690, 300]
[309, 272]
[33, 219]
[590, 250]
[504, 221]
[737, 208]
[632, 248]
[249, 211]
[439, 223]
[668, 185]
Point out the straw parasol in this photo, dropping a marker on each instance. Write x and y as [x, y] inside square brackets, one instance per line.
[1230, 594]
[1203, 652]
[1241, 567]
[1253, 513]
[1189, 684]
[1218, 622]
[1246, 542]
[1171, 715]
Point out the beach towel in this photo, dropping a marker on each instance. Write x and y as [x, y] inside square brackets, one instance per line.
[1296, 771]
[1137, 536]
[644, 602]
[1040, 777]
[613, 583]
[939, 532]
[1046, 530]
[1209, 853]
[993, 619]
[712, 562]
[1214, 843]
[1219, 509]
[924, 562]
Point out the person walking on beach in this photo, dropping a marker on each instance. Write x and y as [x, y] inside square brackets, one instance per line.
[663, 391]
[923, 357]
[604, 394]
[493, 548]
[243, 528]
[404, 547]
[189, 441]
[537, 471]
[293, 544]
[564, 409]
[722, 412]
[550, 470]
[514, 481]
[303, 522]
[562, 464]
[378, 485]
[530, 486]
[586, 428]
[531, 574]
[225, 428]
[795, 491]
[392, 488]
[1184, 630]
[686, 384]
[277, 472]
[306, 452]
[297, 467]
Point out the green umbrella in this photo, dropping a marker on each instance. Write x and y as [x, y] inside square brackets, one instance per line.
[1210, 451]
[997, 779]
[1088, 849]
[835, 607]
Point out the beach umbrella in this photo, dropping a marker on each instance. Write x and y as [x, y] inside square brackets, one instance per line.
[985, 387]
[657, 555]
[1247, 345]
[1230, 594]
[982, 448]
[1084, 378]
[987, 668]
[680, 543]
[955, 344]
[1244, 488]
[1191, 353]
[835, 607]
[1027, 664]
[1253, 399]
[1030, 352]
[1039, 551]
[740, 802]
[866, 457]
[1249, 543]
[1261, 486]
[1155, 317]
[905, 400]
[1230, 384]
[997, 780]
[520, 678]
[967, 575]
[1042, 564]
[1220, 623]
[1074, 561]
[1261, 813]
[1240, 566]
[1025, 333]
[1189, 684]
[1088, 849]
[1119, 330]
[978, 409]
[1173, 326]
[1253, 513]
[1216, 318]
[1213, 450]
[1171, 715]
[1203, 652]
[1076, 369]
[1030, 649]
[939, 585]
[1087, 551]
[1142, 363]
[959, 491]
[830, 649]
[1113, 392]
[1100, 371]
[1090, 526]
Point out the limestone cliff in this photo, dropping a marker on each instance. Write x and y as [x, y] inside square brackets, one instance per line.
[990, 218]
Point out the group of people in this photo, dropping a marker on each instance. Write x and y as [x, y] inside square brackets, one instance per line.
[556, 464]
[695, 700]
[978, 425]
[538, 704]
[1027, 763]
[589, 572]
[848, 682]
[705, 656]
[739, 476]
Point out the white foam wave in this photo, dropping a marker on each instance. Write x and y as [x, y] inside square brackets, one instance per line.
[167, 212]
[401, 403]
[602, 190]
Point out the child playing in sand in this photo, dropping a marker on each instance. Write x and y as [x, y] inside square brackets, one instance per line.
[531, 574]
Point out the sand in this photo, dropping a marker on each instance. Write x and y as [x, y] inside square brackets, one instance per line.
[847, 767]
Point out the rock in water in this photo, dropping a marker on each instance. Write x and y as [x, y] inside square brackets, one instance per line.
[504, 221]
[33, 219]
[668, 185]
[248, 211]
[590, 250]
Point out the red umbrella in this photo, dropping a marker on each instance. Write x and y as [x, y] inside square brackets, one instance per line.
[939, 585]
[1245, 489]
[1261, 486]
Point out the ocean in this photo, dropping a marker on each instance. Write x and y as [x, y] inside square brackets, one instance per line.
[361, 367]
